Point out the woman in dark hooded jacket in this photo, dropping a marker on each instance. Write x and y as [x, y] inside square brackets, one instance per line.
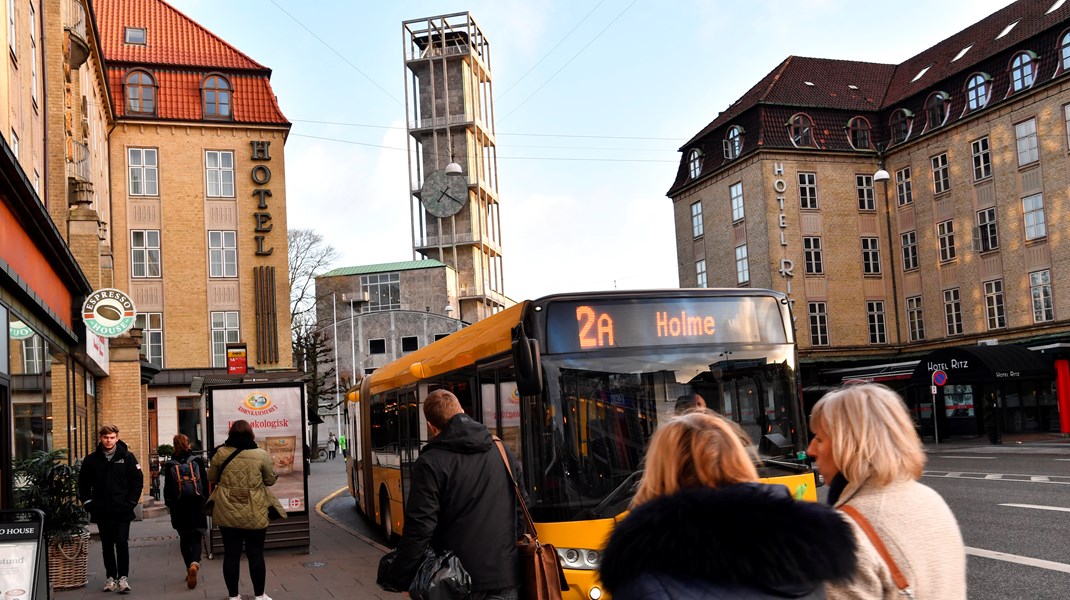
[187, 510]
[702, 526]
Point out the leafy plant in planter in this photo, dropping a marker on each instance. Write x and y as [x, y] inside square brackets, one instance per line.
[165, 450]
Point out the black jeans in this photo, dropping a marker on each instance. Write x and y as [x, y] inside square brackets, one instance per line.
[253, 540]
[115, 540]
[189, 541]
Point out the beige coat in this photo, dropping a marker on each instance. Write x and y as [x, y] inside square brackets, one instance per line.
[922, 536]
[242, 498]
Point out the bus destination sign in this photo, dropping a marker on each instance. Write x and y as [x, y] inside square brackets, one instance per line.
[610, 323]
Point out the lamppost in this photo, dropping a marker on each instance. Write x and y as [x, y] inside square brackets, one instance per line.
[883, 176]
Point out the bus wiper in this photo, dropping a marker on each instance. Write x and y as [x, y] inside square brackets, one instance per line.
[611, 497]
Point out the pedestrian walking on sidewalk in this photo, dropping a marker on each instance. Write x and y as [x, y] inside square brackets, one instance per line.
[242, 504]
[109, 486]
[343, 445]
[865, 444]
[185, 489]
[702, 526]
[332, 445]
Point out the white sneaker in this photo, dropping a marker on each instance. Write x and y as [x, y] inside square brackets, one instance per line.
[238, 597]
[124, 585]
[111, 585]
[263, 597]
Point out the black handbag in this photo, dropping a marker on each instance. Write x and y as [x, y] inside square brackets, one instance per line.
[439, 577]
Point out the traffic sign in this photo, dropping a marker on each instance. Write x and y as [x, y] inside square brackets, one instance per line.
[932, 390]
[939, 377]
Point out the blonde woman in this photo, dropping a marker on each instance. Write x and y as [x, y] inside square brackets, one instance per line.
[866, 446]
[701, 526]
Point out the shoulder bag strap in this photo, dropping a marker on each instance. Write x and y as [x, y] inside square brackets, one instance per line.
[516, 488]
[897, 576]
[227, 461]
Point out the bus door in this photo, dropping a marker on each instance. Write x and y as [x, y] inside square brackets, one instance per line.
[500, 403]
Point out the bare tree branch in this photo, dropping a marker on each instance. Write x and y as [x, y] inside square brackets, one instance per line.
[309, 256]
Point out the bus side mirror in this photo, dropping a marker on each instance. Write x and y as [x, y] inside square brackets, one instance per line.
[526, 362]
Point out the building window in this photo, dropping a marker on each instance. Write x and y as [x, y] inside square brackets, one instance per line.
[987, 237]
[994, 304]
[736, 192]
[952, 312]
[875, 312]
[941, 174]
[819, 323]
[1066, 120]
[902, 186]
[915, 319]
[1064, 52]
[219, 173]
[801, 128]
[945, 233]
[223, 253]
[858, 130]
[700, 273]
[982, 160]
[1033, 209]
[900, 125]
[224, 331]
[910, 250]
[384, 291]
[145, 253]
[694, 163]
[1040, 288]
[742, 265]
[377, 346]
[134, 35]
[141, 165]
[140, 93]
[439, 336]
[151, 325]
[410, 343]
[864, 187]
[977, 90]
[807, 190]
[871, 256]
[14, 143]
[33, 54]
[12, 39]
[1026, 132]
[815, 264]
[696, 219]
[936, 110]
[1023, 70]
[216, 91]
[32, 351]
[733, 143]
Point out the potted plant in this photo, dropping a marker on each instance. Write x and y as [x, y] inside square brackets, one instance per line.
[47, 482]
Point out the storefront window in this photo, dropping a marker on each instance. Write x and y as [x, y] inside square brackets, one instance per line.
[189, 421]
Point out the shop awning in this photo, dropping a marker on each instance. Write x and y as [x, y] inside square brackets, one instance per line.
[982, 364]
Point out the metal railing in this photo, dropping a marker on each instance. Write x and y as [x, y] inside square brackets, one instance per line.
[75, 18]
[78, 165]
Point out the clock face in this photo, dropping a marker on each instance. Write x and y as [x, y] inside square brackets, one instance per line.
[443, 195]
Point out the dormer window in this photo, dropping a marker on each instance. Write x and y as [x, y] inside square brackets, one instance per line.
[977, 91]
[936, 110]
[733, 142]
[1006, 30]
[900, 124]
[962, 53]
[140, 93]
[135, 35]
[694, 163]
[1023, 71]
[920, 73]
[858, 130]
[801, 128]
[1064, 51]
[216, 92]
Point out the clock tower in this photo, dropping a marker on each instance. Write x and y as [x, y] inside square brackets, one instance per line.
[453, 165]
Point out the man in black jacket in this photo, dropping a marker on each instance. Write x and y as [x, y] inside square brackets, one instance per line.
[462, 500]
[109, 486]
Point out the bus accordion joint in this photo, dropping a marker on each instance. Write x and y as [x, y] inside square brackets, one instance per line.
[418, 370]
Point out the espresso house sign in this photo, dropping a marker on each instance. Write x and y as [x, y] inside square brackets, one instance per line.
[261, 175]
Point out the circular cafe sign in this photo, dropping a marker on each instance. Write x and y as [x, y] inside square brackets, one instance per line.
[18, 330]
[108, 313]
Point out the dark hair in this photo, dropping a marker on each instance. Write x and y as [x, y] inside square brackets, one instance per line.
[241, 430]
[181, 443]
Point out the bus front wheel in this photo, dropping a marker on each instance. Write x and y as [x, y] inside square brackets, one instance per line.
[384, 515]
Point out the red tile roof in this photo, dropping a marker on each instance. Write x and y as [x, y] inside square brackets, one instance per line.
[178, 53]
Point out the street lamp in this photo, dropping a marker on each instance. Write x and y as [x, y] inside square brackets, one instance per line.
[884, 176]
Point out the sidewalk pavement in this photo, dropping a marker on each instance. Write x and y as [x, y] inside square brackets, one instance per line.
[1012, 443]
[340, 563]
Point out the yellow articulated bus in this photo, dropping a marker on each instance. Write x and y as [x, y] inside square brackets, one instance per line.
[576, 384]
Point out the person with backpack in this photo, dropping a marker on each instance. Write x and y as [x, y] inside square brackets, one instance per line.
[185, 490]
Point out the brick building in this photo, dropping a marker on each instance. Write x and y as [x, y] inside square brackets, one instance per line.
[908, 211]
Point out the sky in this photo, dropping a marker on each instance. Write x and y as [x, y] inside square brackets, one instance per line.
[593, 99]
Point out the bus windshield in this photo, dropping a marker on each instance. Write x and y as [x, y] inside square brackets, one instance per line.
[591, 427]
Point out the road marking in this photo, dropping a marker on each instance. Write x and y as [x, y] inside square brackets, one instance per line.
[970, 457]
[993, 476]
[1021, 560]
[1016, 478]
[1039, 507]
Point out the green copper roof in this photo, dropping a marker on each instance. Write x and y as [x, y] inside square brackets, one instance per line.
[408, 265]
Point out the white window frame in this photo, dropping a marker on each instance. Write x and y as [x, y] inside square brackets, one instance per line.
[1023, 72]
[903, 190]
[864, 188]
[878, 331]
[941, 174]
[987, 230]
[696, 219]
[808, 190]
[819, 324]
[700, 273]
[915, 318]
[813, 257]
[952, 312]
[217, 174]
[146, 261]
[910, 250]
[1025, 134]
[978, 91]
[222, 253]
[15, 143]
[143, 162]
[694, 163]
[1033, 214]
[226, 329]
[1064, 51]
[742, 265]
[871, 256]
[1066, 120]
[945, 234]
[151, 325]
[995, 309]
[735, 191]
[982, 159]
[1040, 291]
[33, 355]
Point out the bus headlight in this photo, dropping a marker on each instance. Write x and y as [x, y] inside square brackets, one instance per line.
[583, 559]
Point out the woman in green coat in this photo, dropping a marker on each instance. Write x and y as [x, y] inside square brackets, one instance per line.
[243, 473]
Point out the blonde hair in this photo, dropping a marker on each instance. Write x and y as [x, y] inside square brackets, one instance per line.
[697, 449]
[871, 434]
[440, 406]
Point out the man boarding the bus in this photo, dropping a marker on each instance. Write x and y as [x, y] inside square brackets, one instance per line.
[462, 500]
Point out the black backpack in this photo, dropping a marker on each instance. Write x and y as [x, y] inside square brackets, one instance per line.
[190, 478]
